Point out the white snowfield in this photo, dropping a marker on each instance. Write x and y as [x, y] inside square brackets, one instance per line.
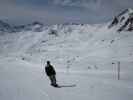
[83, 55]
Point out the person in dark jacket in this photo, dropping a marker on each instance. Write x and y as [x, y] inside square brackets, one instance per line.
[50, 72]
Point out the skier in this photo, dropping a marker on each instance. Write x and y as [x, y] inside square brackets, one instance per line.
[50, 72]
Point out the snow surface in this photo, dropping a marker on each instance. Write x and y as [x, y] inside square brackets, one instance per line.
[83, 55]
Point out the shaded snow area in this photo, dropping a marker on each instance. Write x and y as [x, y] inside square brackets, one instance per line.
[85, 58]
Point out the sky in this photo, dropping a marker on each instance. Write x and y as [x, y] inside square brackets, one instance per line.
[61, 11]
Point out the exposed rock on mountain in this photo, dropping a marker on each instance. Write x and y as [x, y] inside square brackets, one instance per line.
[123, 21]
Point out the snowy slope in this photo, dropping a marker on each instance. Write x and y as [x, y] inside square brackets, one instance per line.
[25, 81]
[61, 43]
[66, 40]
[85, 55]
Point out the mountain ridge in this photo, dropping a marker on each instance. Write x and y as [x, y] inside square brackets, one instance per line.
[7, 28]
[123, 21]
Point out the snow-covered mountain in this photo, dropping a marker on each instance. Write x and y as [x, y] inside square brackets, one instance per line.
[64, 40]
[85, 56]
[60, 43]
[35, 27]
[123, 21]
[7, 28]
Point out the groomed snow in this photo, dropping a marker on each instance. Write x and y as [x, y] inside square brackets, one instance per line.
[20, 80]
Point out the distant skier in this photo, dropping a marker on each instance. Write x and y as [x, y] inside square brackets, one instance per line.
[50, 72]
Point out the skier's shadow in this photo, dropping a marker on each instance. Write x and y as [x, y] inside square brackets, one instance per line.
[73, 85]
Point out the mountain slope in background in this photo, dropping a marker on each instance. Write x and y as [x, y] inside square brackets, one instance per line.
[123, 21]
[77, 44]
[64, 42]
[7, 28]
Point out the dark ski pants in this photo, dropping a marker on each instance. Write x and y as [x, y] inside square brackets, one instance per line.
[52, 79]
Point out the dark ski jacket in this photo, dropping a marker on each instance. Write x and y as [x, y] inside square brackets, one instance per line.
[49, 69]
